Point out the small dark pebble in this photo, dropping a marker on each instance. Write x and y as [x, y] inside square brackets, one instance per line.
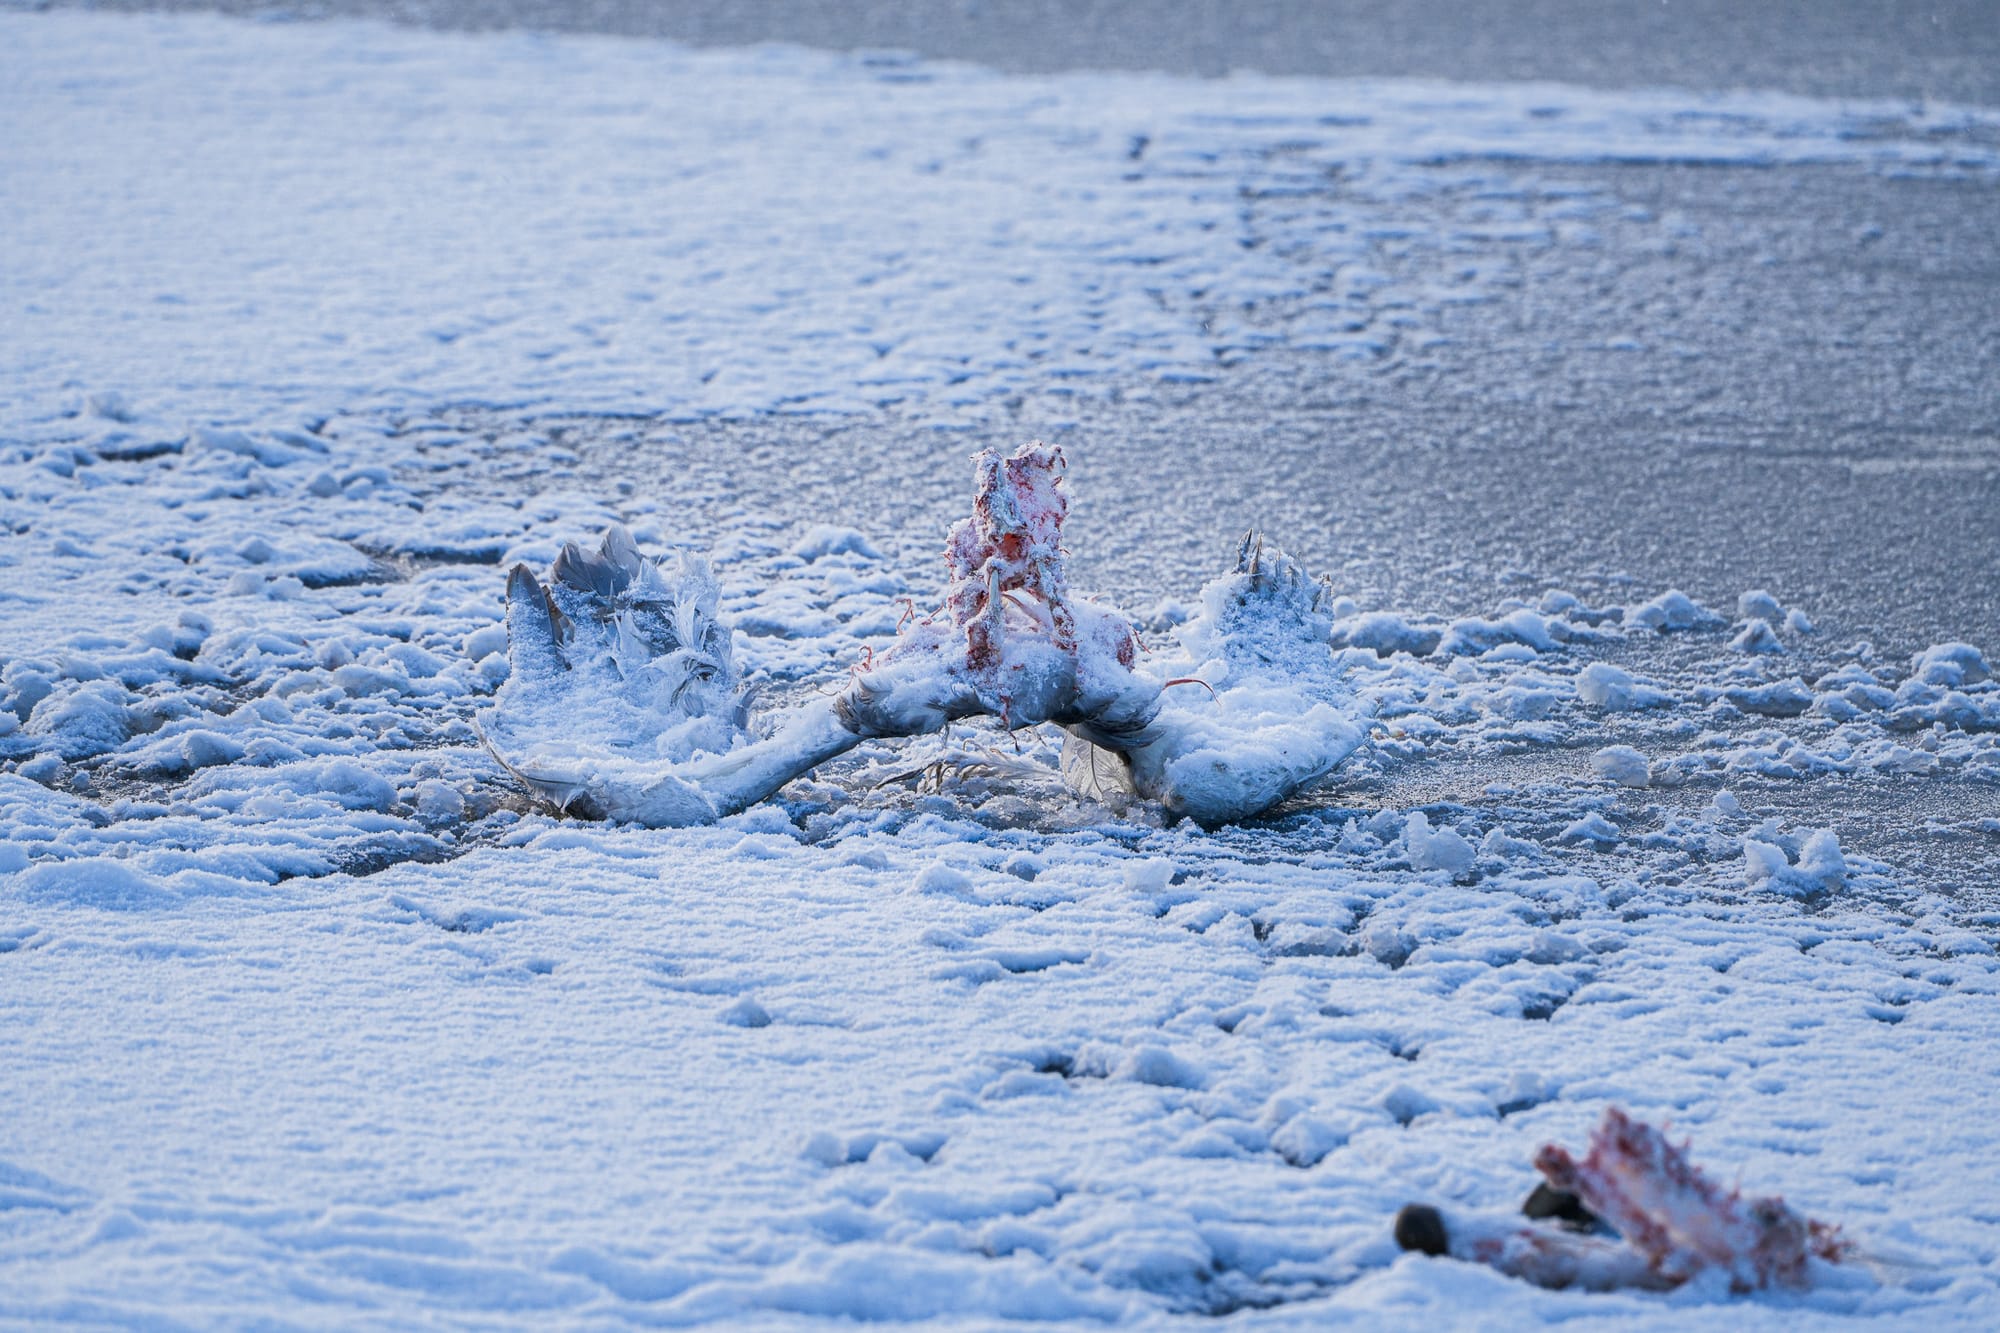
[1549, 1202]
[1421, 1227]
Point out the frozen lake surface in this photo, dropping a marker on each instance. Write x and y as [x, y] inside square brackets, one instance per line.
[1648, 435]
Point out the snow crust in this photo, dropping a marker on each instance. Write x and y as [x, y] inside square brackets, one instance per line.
[309, 1018]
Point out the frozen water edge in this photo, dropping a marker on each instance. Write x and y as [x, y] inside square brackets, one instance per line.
[980, 1053]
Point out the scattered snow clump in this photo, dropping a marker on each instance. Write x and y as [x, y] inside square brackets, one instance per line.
[1757, 636]
[1474, 634]
[1623, 765]
[825, 539]
[1779, 698]
[1305, 1140]
[746, 1013]
[1951, 664]
[939, 877]
[1161, 1068]
[1384, 633]
[94, 882]
[1670, 611]
[1758, 605]
[1820, 868]
[1616, 690]
[84, 722]
[1593, 828]
[440, 802]
[1405, 1103]
[485, 641]
[1435, 849]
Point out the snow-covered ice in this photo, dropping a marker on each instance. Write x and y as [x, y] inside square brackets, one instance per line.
[308, 1016]
[229, 222]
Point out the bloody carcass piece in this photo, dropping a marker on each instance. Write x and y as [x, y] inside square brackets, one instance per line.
[1677, 1219]
[1672, 1223]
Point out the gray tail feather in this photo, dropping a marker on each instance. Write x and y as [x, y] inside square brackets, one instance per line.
[534, 632]
[622, 553]
[605, 574]
[568, 797]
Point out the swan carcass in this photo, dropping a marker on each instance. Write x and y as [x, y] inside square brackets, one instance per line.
[623, 701]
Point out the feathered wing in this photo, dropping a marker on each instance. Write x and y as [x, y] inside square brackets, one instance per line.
[534, 643]
[1259, 711]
